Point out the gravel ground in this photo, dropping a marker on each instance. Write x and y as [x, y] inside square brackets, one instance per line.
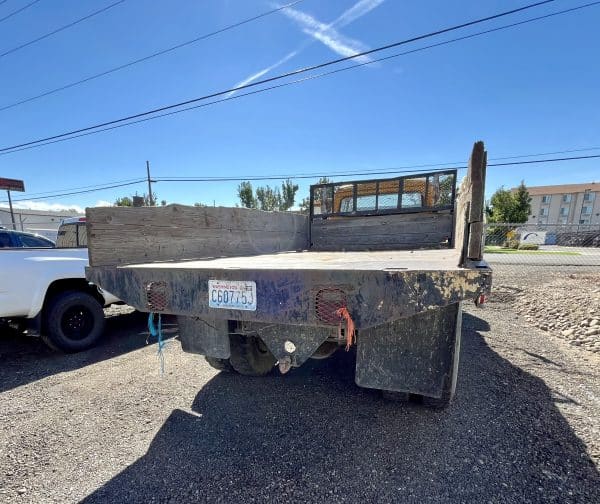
[566, 305]
[104, 426]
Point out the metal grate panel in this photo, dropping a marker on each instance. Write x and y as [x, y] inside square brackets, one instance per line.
[156, 296]
[327, 302]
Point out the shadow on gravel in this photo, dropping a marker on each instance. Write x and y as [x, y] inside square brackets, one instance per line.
[25, 359]
[314, 436]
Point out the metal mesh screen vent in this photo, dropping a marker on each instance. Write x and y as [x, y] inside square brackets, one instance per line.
[327, 302]
[156, 296]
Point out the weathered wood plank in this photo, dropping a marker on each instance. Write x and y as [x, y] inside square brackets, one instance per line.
[118, 236]
[357, 247]
[403, 217]
[476, 174]
[383, 242]
[468, 227]
[475, 251]
[384, 232]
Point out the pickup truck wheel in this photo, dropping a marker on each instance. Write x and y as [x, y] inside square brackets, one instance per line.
[220, 364]
[73, 321]
[250, 356]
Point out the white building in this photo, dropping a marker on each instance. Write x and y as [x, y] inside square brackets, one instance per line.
[565, 204]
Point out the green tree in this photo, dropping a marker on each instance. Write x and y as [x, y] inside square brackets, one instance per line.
[268, 198]
[288, 195]
[522, 203]
[246, 195]
[128, 200]
[508, 206]
[124, 201]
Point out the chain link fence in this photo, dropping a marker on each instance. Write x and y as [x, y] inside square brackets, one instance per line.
[525, 253]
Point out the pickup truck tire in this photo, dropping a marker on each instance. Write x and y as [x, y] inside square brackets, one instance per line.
[73, 321]
[220, 364]
[250, 356]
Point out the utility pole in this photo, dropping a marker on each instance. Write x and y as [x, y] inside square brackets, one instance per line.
[12, 215]
[150, 197]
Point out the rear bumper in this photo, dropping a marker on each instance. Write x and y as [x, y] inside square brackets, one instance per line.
[292, 296]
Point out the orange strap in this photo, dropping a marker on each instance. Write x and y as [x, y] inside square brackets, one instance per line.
[350, 330]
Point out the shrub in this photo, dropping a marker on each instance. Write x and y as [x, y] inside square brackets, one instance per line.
[528, 246]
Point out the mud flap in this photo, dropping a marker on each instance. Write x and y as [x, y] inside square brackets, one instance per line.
[417, 354]
[204, 337]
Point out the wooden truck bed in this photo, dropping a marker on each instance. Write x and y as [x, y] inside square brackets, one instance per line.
[413, 260]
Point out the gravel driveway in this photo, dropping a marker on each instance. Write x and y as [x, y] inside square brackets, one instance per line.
[104, 426]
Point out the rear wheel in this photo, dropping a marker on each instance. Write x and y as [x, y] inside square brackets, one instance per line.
[73, 321]
[250, 356]
[220, 364]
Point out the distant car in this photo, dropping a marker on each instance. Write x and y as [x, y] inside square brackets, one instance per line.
[22, 239]
[72, 233]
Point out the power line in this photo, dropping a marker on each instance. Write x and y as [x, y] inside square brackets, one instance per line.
[99, 186]
[386, 171]
[150, 56]
[83, 192]
[545, 160]
[547, 153]
[14, 13]
[279, 77]
[62, 28]
[364, 173]
[9, 150]
[450, 165]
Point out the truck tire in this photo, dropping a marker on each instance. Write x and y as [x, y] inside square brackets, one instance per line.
[73, 321]
[220, 364]
[250, 356]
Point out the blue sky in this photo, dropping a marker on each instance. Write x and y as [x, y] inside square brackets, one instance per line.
[529, 89]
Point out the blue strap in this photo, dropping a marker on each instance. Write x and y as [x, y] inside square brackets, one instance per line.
[156, 332]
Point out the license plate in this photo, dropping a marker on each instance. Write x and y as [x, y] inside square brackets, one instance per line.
[232, 295]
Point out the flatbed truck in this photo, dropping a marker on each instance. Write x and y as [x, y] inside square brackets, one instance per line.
[381, 265]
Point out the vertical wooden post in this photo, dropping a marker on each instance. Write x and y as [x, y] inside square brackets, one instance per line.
[477, 169]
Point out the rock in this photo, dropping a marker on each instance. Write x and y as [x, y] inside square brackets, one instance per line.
[568, 332]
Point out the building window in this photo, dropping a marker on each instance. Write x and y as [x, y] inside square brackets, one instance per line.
[586, 210]
[543, 212]
[584, 221]
[566, 198]
[589, 196]
[546, 199]
[564, 211]
[563, 220]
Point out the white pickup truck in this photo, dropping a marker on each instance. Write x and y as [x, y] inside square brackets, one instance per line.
[46, 289]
